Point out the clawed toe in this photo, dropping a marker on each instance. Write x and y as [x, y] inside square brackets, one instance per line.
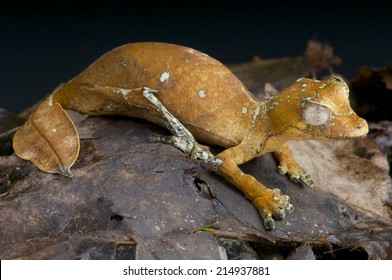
[281, 170]
[296, 177]
[268, 222]
[277, 210]
[307, 180]
[278, 191]
[289, 208]
[280, 215]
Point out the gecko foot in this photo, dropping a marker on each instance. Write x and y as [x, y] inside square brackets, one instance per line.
[195, 150]
[273, 205]
[296, 176]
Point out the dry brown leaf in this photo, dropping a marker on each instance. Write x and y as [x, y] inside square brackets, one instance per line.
[372, 89]
[321, 55]
[49, 139]
[129, 189]
[386, 75]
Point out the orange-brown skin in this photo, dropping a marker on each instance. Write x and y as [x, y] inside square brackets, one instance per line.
[191, 74]
[215, 107]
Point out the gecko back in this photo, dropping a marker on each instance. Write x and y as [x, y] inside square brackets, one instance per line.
[197, 89]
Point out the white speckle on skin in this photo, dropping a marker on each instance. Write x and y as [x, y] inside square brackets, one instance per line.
[254, 117]
[317, 81]
[303, 90]
[165, 75]
[123, 92]
[323, 86]
[50, 101]
[204, 155]
[300, 79]
[53, 130]
[244, 110]
[304, 85]
[202, 93]
[217, 162]
[189, 50]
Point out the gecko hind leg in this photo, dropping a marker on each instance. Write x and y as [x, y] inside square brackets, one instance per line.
[182, 138]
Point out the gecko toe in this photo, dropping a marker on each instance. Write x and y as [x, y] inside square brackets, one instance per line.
[286, 198]
[280, 215]
[281, 170]
[289, 208]
[278, 191]
[307, 180]
[269, 223]
[295, 177]
[283, 208]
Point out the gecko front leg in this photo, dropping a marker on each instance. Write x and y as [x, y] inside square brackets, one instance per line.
[270, 203]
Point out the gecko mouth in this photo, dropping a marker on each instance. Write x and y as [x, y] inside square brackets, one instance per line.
[325, 136]
[333, 137]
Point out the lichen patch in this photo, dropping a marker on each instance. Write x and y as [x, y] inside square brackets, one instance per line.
[255, 115]
[122, 92]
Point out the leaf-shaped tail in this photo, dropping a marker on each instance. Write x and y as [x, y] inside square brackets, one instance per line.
[48, 139]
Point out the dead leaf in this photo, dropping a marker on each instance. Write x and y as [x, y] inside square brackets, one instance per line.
[49, 139]
[282, 72]
[126, 188]
[321, 55]
[386, 74]
[346, 166]
[302, 252]
[279, 72]
[372, 89]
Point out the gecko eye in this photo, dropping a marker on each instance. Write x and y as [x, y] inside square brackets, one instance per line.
[316, 115]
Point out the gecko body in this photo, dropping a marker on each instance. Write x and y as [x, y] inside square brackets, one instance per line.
[212, 104]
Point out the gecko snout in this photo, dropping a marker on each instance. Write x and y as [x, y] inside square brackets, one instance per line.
[361, 128]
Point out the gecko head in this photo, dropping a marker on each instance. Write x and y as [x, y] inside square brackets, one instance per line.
[319, 110]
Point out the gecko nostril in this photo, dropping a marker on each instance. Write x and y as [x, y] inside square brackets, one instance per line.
[361, 128]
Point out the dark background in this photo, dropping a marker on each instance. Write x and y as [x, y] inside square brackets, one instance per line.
[43, 45]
